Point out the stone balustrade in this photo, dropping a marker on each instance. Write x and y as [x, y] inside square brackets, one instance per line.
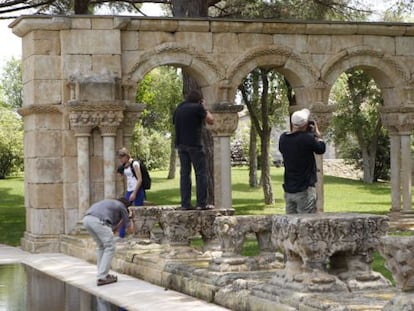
[329, 251]
[178, 227]
[146, 218]
[398, 252]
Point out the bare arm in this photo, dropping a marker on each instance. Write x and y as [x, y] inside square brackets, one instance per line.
[209, 116]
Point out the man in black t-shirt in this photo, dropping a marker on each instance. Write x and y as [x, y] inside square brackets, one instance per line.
[298, 148]
[188, 119]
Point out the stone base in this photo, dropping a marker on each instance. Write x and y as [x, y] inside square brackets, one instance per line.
[401, 302]
[187, 270]
[45, 243]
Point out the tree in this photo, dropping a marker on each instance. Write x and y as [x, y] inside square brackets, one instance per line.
[11, 84]
[161, 90]
[357, 119]
[264, 93]
[11, 142]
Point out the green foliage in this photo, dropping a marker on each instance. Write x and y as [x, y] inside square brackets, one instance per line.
[11, 84]
[150, 146]
[356, 127]
[11, 142]
[292, 9]
[160, 91]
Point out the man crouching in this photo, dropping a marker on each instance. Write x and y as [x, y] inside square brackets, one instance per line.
[101, 220]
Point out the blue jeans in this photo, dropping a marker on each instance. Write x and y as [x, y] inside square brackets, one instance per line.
[105, 244]
[303, 202]
[196, 157]
[139, 201]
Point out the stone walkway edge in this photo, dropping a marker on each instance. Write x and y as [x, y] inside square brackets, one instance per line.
[130, 293]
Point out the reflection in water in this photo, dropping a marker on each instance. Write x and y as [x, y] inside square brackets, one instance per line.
[12, 288]
[23, 288]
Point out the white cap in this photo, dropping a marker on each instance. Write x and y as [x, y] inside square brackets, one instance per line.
[300, 118]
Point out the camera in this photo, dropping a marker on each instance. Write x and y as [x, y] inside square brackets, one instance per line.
[311, 126]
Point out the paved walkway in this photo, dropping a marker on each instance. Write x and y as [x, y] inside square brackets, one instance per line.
[128, 292]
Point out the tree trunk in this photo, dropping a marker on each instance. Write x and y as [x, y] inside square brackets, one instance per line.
[197, 8]
[190, 8]
[265, 169]
[173, 160]
[81, 6]
[253, 182]
[368, 162]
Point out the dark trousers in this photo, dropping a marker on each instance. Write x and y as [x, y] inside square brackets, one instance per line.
[197, 157]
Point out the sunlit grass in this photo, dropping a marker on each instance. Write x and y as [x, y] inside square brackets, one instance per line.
[12, 212]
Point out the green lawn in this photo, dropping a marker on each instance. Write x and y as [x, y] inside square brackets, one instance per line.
[341, 195]
[12, 213]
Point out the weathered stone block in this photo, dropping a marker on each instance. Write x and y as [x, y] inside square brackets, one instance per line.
[39, 195]
[41, 42]
[45, 220]
[48, 144]
[42, 67]
[50, 92]
[91, 42]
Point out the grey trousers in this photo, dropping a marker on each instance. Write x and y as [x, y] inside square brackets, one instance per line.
[301, 202]
[105, 243]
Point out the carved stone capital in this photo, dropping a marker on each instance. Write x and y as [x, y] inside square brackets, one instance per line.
[398, 119]
[225, 119]
[103, 115]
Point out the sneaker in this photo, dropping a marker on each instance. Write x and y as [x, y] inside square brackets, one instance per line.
[204, 208]
[110, 278]
[189, 208]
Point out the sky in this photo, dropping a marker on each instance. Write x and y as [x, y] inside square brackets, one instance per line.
[11, 44]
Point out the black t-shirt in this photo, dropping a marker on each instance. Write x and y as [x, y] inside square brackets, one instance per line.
[298, 150]
[188, 120]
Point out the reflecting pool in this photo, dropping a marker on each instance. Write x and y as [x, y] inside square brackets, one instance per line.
[23, 288]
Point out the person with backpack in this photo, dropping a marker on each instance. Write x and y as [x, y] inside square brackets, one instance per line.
[130, 169]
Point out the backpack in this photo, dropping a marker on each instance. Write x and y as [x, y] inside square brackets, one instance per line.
[146, 178]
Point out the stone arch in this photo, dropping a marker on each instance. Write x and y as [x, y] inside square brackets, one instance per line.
[390, 75]
[299, 72]
[205, 70]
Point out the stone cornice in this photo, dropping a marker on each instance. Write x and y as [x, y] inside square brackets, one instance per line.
[37, 109]
[27, 23]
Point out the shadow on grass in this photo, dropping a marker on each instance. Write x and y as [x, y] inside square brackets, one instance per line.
[12, 212]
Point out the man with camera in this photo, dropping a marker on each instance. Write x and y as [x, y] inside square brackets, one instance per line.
[298, 147]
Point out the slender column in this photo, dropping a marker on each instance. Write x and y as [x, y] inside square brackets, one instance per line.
[222, 179]
[406, 173]
[225, 123]
[400, 123]
[395, 145]
[108, 134]
[83, 171]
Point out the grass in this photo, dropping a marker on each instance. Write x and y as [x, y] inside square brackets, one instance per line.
[12, 212]
[341, 195]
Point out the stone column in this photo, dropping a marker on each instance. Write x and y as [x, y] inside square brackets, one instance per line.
[395, 146]
[109, 122]
[225, 123]
[400, 123]
[406, 172]
[82, 137]
[108, 135]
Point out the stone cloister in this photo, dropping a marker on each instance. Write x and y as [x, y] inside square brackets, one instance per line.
[80, 76]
